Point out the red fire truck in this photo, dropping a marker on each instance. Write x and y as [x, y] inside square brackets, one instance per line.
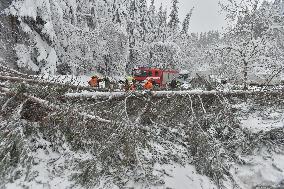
[162, 77]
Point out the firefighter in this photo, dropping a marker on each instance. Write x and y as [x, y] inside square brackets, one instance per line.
[121, 84]
[126, 85]
[130, 79]
[94, 81]
[174, 84]
[133, 85]
[107, 83]
[148, 85]
[129, 84]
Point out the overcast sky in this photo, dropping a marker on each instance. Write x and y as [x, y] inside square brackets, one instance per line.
[205, 17]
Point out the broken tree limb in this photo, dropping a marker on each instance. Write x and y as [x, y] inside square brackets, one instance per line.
[11, 70]
[52, 107]
[272, 77]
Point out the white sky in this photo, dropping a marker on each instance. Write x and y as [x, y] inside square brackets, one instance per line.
[206, 15]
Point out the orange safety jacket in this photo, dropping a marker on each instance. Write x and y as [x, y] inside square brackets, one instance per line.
[148, 85]
[93, 82]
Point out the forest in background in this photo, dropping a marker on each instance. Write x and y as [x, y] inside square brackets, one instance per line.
[111, 37]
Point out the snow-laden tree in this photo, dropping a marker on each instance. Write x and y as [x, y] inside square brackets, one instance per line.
[144, 20]
[252, 41]
[63, 36]
[10, 34]
[114, 50]
[37, 19]
[164, 55]
[174, 17]
[133, 28]
[187, 44]
[185, 23]
[153, 22]
[162, 24]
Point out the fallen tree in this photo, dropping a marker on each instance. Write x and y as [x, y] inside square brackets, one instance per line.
[139, 130]
[165, 94]
[41, 81]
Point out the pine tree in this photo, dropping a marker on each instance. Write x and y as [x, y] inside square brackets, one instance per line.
[132, 28]
[185, 24]
[152, 8]
[119, 12]
[143, 26]
[162, 24]
[133, 22]
[174, 19]
[153, 22]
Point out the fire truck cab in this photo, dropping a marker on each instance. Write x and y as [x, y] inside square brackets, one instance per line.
[161, 77]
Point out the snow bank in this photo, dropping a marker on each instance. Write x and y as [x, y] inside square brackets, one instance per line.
[261, 170]
[42, 172]
[177, 177]
[256, 123]
[260, 120]
[185, 177]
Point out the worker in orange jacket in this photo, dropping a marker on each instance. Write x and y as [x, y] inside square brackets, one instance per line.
[148, 85]
[94, 82]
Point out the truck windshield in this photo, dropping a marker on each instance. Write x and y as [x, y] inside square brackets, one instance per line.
[140, 73]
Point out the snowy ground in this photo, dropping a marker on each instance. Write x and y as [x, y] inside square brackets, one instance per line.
[263, 169]
[185, 177]
[256, 123]
[260, 120]
[46, 161]
[41, 176]
[179, 177]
